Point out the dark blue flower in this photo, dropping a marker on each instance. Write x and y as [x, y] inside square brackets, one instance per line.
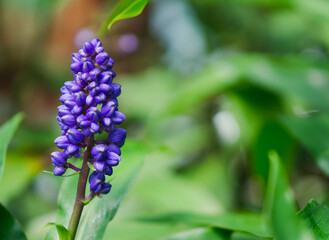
[89, 107]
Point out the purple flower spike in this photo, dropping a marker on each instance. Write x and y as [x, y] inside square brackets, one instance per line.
[89, 107]
[102, 58]
[89, 48]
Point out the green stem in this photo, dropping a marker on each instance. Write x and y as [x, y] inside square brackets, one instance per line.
[78, 205]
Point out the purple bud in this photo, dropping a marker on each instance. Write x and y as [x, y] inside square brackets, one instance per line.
[59, 171]
[99, 152]
[108, 108]
[82, 53]
[107, 122]
[102, 58]
[93, 114]
[106, 77]
[72, 149]
[106, 188]
[90, 100]
[87, 66]
[58, 158]
[62, 142]
[96, 181]
[83, 122]
[118, 118]
[66, 97]
[114, 148]
[100, 98]
[108, 170]
[80, 98]
[71, 85]
[110, 63]
[64, 90]
[68, 120]
[94, 127]
[99, 50]
[88, 48]
[116, 90]
[85, 77]
[94, 91]
[75, 136]
[86, 132]
[79, 81]
[63, 110]
[76, 67]
[94, 73]
[118, 136]
[105, 88]
[100, 166]
[69, 103]
[113, 159]
[96, 42]
[91, 85]
[76, 58]
[77, 109]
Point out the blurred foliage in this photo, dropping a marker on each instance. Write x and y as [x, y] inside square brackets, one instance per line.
[212, 87]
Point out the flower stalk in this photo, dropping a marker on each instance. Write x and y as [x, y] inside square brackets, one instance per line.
[78, 204]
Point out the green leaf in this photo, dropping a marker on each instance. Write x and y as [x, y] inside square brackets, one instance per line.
[7, 131]
[124, 9]
[100, 211]
[9, 227]
[201, 234]
[213, 79]
[317, 217]
[313, 132]
[279, 206]
[20, 169]
[247, 223]
[63, 233]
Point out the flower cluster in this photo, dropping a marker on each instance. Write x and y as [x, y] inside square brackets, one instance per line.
[90, 107]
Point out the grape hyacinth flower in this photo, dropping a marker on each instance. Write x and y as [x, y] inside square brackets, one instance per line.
[90, 107]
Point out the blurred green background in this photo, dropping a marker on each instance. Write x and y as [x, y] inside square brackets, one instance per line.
[209, 87]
